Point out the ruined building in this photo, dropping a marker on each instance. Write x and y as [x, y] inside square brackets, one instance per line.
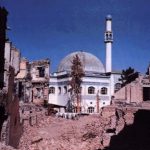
[136, 92]
[34, 81]
[10, 125]
[3, 26]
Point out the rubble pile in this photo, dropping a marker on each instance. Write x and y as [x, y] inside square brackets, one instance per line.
[88, 132]
[4, 147]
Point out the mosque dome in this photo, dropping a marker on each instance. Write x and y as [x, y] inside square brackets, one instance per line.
[89, 62]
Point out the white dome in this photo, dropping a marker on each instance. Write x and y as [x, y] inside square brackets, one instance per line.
[89, 62]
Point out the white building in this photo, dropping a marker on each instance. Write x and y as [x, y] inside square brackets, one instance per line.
[98, 84]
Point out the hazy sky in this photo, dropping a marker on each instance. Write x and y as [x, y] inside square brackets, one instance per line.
[54, 28]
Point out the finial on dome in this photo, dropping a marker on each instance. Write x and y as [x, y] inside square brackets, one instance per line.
[108, 17]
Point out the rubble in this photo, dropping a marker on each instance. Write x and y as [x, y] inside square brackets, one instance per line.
[4, 147]
[88, 132]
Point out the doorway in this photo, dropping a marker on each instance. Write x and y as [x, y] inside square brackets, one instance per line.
[146, 93]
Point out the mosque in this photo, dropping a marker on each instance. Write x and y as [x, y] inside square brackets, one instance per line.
[98, 84]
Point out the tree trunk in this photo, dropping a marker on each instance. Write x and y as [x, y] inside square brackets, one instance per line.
[78, 103]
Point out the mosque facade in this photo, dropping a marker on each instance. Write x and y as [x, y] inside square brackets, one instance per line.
[98, 84]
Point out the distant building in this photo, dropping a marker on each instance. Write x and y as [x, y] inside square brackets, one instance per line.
[98, 84]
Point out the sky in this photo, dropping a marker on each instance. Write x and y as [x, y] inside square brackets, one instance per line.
[54, 28]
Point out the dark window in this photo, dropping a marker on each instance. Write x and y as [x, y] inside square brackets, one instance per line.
[20, 90]
[146, 93]
[41, 71]
[117, 86]
[91, 90]
[103, 90]
[65, 89]
[52, 90]
[90, 109]
[59, 88]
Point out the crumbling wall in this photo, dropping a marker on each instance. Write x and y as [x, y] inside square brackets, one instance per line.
[15, 59]
[3, 27]
[11, 128]
[40, 80]
[115, 119]
[16, 127]
[12, 109]
[34, 80]
[135, 136]
[131, 93]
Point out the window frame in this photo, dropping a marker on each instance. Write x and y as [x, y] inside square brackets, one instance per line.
[52, 90]
[91, 90]
[104, 91]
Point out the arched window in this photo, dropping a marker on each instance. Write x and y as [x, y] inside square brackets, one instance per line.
[117, 86]
[103, 90]
[59, 90]
[51, 90]
[65, 89]
[90, 109]
[91, 90]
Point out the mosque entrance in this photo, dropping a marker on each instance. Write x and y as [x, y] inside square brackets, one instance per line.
[146, 93]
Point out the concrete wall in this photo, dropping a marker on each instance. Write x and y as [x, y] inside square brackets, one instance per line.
[23, 69]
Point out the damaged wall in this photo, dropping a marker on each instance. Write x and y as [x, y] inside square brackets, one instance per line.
[34, 80]
[131, 93]
[3, 27]
[10, 127]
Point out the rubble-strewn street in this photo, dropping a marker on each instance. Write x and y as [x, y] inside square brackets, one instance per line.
[4, 147]
[58, 133]
[87, 133]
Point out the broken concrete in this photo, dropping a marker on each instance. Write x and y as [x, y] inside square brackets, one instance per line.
[88, 132]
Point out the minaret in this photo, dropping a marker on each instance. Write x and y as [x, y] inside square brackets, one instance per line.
[108, 41]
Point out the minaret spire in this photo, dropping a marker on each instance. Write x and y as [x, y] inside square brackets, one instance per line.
[108, 41]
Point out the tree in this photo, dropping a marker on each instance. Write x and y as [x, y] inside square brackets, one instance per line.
[128, 76]
[148, 70]
[76, 79]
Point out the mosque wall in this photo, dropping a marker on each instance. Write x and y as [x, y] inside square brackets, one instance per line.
[87, 99]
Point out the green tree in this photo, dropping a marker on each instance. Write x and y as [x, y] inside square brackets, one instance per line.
[148, 70]
[128, 76]
[76, 79]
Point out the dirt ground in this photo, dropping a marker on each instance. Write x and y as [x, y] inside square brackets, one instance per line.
[53, 133]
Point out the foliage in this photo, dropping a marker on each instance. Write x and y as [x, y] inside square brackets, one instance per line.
[148, 70]
[128, 76]
[76, 73]
[76, 78]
